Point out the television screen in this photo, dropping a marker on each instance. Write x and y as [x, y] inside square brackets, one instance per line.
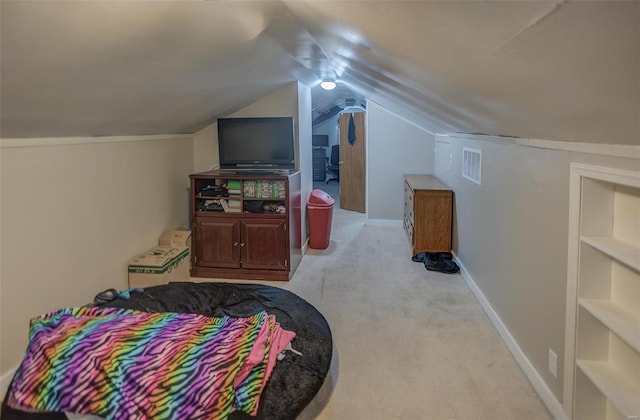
[256, 143]
[320, 140]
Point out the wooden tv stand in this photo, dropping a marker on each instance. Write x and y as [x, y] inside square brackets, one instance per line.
[258, 240]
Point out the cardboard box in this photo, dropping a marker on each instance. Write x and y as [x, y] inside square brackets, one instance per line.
[177, 237]
[159, 265]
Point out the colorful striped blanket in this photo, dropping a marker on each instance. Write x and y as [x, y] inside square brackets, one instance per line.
[122, 363]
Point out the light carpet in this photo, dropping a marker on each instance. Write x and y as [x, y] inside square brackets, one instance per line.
[408, 343]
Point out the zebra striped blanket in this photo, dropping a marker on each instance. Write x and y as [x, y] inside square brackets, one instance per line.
[122, 363]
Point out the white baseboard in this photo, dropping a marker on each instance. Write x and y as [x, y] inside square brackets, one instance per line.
[550, 401]
[5, 381]
[384, 222]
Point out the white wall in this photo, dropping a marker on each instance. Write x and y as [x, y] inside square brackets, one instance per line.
[281, 103]
[511, 236]
[74, 213]
[330, 128]
[305, 153]
[395, 147]
[205, 149]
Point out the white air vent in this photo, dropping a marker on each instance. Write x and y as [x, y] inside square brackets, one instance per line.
[472, 164]
[349, 102]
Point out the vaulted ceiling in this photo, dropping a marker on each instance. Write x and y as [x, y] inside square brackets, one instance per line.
[557, 70]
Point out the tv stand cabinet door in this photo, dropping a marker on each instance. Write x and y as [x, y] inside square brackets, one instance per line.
[217, 242]
[264, 244]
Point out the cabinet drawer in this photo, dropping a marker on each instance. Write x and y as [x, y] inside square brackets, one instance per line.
[408, 193]
[318, 154]
[408, 212]
[408, 228]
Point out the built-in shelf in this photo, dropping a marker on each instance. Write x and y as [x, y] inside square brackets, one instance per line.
[622, 322]
[603, 295]
[617, 249]
[614, 385]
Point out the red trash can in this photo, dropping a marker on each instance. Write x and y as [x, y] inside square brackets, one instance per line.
[320, 206]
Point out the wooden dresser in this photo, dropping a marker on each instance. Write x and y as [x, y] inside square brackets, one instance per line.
[249, 230]
[428, 212]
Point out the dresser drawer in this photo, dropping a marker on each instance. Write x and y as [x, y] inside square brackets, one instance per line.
[408, 228]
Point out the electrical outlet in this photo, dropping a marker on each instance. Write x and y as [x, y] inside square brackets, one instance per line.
[553, 363]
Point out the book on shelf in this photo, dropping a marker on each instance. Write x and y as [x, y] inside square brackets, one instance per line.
[233, 187]
[233, 184]
[269, 189]
[231, 206]
[249, 188]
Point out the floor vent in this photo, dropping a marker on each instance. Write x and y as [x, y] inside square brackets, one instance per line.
[472, 164]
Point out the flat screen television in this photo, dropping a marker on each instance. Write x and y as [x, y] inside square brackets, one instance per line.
[265, 143]
[320, 140]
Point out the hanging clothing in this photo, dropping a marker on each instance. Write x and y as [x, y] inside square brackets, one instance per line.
[351, 134]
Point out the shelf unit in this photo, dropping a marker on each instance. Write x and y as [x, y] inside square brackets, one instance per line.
[245, 225]
[603, 299]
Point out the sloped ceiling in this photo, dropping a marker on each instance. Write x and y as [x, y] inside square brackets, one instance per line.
[557, 70]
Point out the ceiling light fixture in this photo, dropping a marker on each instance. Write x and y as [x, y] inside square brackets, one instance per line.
[328, 84]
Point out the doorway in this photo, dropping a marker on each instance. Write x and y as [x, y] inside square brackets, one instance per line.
[352, 142]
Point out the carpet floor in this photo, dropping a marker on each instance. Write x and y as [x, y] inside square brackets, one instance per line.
[408, 343]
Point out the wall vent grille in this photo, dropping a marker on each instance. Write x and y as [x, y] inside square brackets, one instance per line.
[472, 164]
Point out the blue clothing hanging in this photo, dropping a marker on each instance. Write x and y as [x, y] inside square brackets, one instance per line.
[351, 135]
